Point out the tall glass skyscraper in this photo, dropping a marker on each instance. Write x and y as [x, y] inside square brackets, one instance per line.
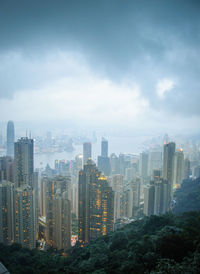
[24, 216]
[23, 162]
[25, 193]
[168, 161]
[104, 148]
[10, 138]
[96, 204]
[87, 152]
[103, 160]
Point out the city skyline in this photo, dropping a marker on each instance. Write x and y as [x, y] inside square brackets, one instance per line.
[78, 199]
[99, 136]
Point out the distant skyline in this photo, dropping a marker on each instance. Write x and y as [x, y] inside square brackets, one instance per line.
[109, 65]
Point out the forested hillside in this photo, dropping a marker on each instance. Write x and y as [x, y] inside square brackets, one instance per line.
[164, 244]
[187, 198]
[158, 244]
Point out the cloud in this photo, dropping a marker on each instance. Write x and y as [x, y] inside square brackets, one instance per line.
[74, 93]
[163, 87]
[49, 48]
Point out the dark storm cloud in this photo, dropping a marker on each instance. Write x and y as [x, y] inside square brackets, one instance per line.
[142, 41]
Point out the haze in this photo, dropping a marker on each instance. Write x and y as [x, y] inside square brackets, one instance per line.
[112, 64]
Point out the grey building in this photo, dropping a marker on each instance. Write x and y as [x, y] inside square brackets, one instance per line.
[10, 138]
[23, 162]
[24, 216]
[6, 212]
[87, 152]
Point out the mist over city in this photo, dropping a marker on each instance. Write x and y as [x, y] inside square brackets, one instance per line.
[99, 136]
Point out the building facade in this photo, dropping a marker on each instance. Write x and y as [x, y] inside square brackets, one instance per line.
[23, 162]
[10, 138]
[96, 204]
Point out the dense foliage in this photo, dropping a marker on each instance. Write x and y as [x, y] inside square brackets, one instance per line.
[187, 198]
[164, 244]
[157, 244]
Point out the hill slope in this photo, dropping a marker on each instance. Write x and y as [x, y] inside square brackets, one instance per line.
[158, 244]
[164, 244]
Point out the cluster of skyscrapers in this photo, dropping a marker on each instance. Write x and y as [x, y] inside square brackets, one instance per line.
[18, 192]
[158, 194]
[40, 204]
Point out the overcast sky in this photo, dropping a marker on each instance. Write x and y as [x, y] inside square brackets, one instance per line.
[119, 64]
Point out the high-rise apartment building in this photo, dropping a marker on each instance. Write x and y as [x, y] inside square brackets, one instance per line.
[168, 164]
[78, 163]
[130, 172]
[87, 152]
[43, 185]
[157, 197]
[114, 164]
[36, 202]
[104, 148]
[116, 182]
[131, 198]
[96, 200]
[6, 212]
[26, 194]
[24, 216]
[61, 221]
[178, 168]
[161, 199]
[10, 139]
[58, 211]
[50, 192]
[143, 166]
[124, 163]
[186, 168]
[154, 161]
[6, 169]
[103, 160]
[23, 162]
[149, 198]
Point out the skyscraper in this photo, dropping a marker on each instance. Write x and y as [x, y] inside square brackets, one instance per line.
[58, 211]
[6, 212]
[131, 198]
[75, 174]
[101, 208]
[114, 164]
[156, 197]
[161, 201]
[104, 148]
[61, 221]
[87, 152]
[186, 168]
[103, 160]
[26, 184]
[178, 169]
[78, 164]
[143, 166]
[116, 182]
[168, 164]
[50, 192]
[154, 161]
[25, 216]
[23, 162]
[149, 199]
[6, 169]
[10, 138]
[96, 202]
